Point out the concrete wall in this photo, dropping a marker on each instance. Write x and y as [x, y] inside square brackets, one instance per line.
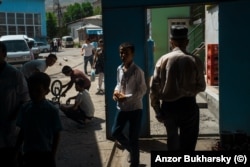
[212, 25]
[78, 24]
[160, 26]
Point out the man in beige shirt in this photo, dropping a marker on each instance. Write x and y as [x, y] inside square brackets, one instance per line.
[178, 78]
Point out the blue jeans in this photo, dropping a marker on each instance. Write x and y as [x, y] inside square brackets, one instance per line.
[86, 60]
[181, 115]
[130, 143]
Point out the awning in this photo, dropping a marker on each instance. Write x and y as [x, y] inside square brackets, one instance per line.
[94, 31]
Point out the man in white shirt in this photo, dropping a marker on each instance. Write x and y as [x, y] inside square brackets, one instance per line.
[87, 53]
[38, 65]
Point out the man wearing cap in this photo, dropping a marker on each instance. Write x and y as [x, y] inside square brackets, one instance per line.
[178, 78]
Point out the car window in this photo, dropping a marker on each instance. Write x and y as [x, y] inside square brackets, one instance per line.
[16, 45]
[69, 39]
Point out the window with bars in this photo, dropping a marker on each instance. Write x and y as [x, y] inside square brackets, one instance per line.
[20, 23]
[20, 18]
[11, 18]
[2, 18]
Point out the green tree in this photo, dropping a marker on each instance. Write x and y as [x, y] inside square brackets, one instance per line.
[77, 11]
[51, 25]
[87, 9]
[97, 10]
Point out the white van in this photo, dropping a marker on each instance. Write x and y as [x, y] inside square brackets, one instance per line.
[67, 41]
[18, 51]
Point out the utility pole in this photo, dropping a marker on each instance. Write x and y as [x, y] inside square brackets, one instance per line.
[58, 11]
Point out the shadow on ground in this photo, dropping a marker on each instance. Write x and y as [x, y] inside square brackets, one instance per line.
[78, 146]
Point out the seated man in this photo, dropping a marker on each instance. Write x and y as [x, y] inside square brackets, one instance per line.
[83, 109]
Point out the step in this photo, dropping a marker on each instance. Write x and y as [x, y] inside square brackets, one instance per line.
[201, 101]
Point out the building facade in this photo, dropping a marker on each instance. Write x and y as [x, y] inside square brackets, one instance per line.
[16, 17]
[78, 24]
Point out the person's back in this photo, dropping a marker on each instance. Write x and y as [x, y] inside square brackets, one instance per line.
[83, 109]
[79, 74]
[39, 124]
[178, 78]
[14, 92]
[38, 65]
[74, 74]
[182, 71]
[86, 103]
[33, 66]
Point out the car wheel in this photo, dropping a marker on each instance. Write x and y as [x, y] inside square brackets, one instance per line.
[45, 50]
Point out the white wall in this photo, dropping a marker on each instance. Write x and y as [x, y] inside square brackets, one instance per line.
[212, 26]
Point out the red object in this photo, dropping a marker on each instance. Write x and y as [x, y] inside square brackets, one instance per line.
[212, 64]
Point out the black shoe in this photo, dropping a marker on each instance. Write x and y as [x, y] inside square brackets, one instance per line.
[119, 146]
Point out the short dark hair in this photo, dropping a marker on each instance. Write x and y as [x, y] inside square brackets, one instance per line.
[3, 48]
[128, 45]
[52, 56]
[66, 69]
[39, 78]
[80, 82]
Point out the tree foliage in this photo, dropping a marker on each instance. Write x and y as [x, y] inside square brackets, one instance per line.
[77, 11]
[51, 25]
[97, 10]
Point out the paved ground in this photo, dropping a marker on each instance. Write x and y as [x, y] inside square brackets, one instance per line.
[81, 146]
[88, 146]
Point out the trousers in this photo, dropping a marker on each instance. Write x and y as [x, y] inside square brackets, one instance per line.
[182, 119]
[130, 143]
[86, 60]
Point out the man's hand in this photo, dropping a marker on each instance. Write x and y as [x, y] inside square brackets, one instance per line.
[63, 94]
[115, 95]
[119, 96]
[158, 114]
[160, 118]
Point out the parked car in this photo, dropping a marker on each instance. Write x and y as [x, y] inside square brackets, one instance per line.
[35, 50]
[67, 41]
[18, 51]
[43, 47]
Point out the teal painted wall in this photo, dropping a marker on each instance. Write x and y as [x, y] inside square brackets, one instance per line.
[234, 64]
[160, 27]
[26, 6]
[123, 25]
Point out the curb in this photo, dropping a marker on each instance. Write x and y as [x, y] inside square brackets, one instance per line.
[109, 162]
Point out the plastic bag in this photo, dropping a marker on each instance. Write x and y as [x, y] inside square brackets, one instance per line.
[92, 75]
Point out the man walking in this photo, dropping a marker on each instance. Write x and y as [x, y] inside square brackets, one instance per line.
[178, 78]
[87, 52]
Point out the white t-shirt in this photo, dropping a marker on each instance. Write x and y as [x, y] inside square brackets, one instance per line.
[32, 66]
[86, 103]
[87, 49]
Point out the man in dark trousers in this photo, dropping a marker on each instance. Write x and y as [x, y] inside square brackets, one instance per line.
[178, 78]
